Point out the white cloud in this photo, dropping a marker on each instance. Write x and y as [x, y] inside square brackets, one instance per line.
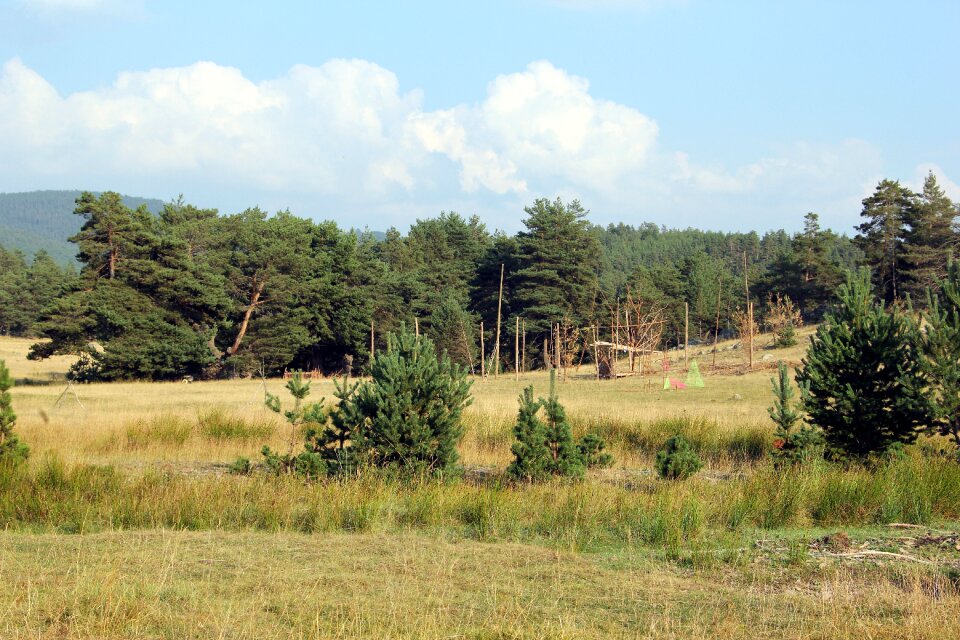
[344, 138]
[540, 125]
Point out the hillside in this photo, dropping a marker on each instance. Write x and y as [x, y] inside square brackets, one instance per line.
[44, 220]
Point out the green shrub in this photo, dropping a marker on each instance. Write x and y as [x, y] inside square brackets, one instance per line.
[862, 376]
[411, 409]
[12, 451]
[794, 442]
[592, 450]
[677, 460]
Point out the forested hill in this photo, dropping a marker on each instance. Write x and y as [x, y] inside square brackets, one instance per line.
[37, 220]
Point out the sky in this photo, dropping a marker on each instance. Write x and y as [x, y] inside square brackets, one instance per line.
[734, 115]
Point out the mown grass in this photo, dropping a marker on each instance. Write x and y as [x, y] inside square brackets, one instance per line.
[185, 585]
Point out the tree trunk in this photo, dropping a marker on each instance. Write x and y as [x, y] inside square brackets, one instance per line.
[254, 301]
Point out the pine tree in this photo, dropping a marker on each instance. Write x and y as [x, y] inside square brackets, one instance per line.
[941, 350]
[559, 260]
[565, 459]
[11, 449]
[530, 452]
[412, 407]
[339, 443]
[308, 463]
[888, 212]
[792, 443]
[930, 239]
[546, 447]
[864, 385]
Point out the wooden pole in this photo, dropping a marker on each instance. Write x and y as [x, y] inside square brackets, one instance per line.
[516, 350]
[556, 349]
[750, 324]
[686, 331]
[546, 353]
[483, 356]
[416, 326]
[523, 345]
[371, 340]
[496, 349]
[596, 352]
[716, 330]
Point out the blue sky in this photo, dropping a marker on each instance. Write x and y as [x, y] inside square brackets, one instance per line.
[723, 115]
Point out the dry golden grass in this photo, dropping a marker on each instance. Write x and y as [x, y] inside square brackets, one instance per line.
[98, 432]
[251, 585]
[441, 560]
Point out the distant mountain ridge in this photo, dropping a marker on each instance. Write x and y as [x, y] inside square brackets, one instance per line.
[36, 220]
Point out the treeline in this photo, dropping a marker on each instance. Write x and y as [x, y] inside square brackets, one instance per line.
[191, 292]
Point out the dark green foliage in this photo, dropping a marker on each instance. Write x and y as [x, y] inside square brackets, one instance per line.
[677, 460]
[545, 447]
[887, 212]
[241, 466]
[930, 239]
[559, 259]
[307, 463]
[592, 450]
[940, 342]
[794, 441]
[11, 449]
[530, 451]
[564, 457]
[337, 442]
[862, 375]
[412, 407]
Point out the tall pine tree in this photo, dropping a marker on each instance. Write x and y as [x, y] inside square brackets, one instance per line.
[881, 236]
[559, 260]
[931, 238]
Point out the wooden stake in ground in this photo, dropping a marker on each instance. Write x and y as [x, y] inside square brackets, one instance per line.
[371, 341]
[483, 355]
[496, 348]
[546, 353]
[556, 351]
[596, 351]
[716, 330]
[686, 331]
[750, 324]
[523, 345]
[516, 350]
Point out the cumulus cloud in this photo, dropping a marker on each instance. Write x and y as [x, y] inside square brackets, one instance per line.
[541, 124]
[345, 135]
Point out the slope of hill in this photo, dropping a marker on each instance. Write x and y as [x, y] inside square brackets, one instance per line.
[44, 220]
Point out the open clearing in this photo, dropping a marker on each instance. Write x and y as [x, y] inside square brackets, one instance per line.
[166, 545]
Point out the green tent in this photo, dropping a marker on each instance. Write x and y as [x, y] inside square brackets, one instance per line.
[694, 379]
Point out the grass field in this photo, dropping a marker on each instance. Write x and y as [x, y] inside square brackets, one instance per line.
[125, 524]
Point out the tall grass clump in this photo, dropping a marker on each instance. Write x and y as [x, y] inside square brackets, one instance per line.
[711, 440]
[219, 424]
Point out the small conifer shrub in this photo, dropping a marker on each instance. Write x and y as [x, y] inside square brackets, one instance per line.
[410, 412]
[307, 463]
[794, 441]
[592, 450]
[677, 460]
[545, 446]
[11, 449]
[862, 377]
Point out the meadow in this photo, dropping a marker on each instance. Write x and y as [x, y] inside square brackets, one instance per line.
[126, 523]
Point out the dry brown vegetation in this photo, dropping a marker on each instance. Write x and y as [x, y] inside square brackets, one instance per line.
[171, 547]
